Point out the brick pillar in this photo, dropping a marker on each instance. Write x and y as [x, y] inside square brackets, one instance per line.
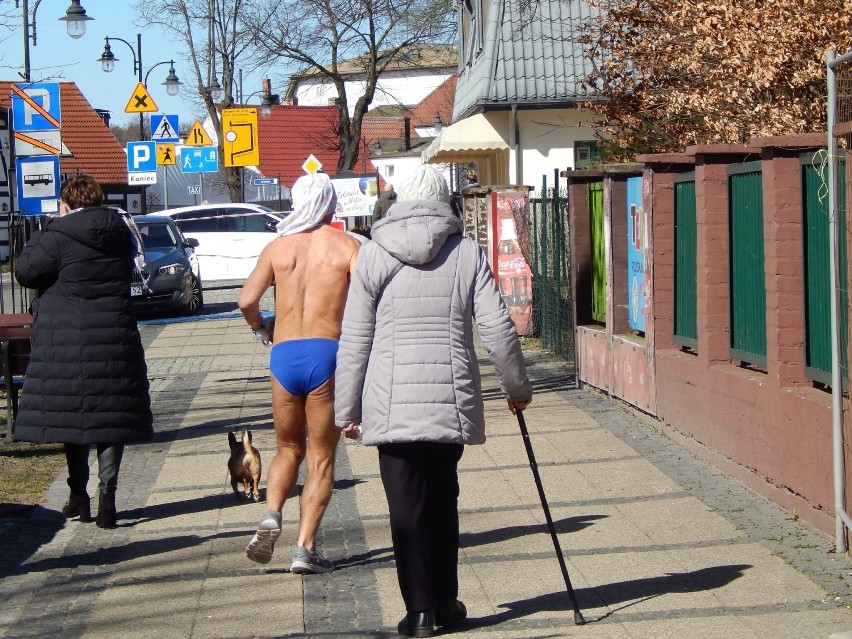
[783, 251]
[712, 270]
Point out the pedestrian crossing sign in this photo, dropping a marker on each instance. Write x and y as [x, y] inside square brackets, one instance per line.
[164, 128]
[165, 154]
[140, 101]
[197, 136]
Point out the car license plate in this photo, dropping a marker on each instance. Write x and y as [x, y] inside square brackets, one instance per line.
[135, 291]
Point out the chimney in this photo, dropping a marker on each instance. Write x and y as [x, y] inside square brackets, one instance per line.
[406, 121]
[103, 114]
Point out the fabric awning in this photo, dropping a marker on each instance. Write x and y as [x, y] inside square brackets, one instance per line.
[464, 141]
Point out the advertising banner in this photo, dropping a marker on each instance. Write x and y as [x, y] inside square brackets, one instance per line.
[636, 243]
[514, 277]
[356, 195]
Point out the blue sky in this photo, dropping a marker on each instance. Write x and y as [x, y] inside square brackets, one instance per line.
[57, 57]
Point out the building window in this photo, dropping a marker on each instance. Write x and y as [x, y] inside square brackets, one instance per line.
[389, 170]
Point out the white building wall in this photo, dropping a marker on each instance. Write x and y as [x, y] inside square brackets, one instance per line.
[547, 140]
[394, 88]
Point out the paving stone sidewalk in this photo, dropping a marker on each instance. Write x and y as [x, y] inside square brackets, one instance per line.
[658, 543]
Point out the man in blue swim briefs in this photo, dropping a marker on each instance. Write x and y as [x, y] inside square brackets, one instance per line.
[309, 265]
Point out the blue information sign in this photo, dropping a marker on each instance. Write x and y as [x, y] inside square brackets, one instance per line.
[199, 159]
[38, 184]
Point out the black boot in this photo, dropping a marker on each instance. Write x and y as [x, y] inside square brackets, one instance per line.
[417, 624]
[106, 511]
[449, 612]
[78, 505]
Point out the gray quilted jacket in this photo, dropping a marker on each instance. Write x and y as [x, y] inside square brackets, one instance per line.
[406, 368]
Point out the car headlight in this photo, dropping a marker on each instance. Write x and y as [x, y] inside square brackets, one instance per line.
[171, 269]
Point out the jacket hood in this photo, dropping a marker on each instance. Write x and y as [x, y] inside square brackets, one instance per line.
[98, 227]
[414, 232]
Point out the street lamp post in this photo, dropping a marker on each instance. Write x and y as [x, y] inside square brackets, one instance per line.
[75, 18]
[108, 61]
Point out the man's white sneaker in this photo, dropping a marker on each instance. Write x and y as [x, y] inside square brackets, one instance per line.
[262, 545]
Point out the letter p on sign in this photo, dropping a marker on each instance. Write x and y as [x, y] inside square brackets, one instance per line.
[141, 157]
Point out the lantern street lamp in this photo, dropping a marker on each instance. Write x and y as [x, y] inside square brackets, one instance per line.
[108, 61]
[75, 18]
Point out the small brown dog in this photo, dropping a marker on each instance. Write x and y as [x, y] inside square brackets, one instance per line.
[244, 465]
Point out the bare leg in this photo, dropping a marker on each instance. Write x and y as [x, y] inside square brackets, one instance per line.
[323, 437]
[288, 413]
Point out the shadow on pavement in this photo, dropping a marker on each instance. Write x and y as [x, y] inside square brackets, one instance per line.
[132, 550]
[617, 592]
[24, 529]
[567, 525]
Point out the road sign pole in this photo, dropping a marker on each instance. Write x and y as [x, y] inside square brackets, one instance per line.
[166, 185]
[280, 206]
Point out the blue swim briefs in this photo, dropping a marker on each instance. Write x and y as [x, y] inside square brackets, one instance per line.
[303, 365]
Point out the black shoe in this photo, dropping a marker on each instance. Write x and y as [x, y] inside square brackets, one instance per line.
[78, 505]
[417, 624]
[449, 612]
[106, 511]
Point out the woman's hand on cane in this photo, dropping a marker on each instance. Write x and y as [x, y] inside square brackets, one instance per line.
[514, 407]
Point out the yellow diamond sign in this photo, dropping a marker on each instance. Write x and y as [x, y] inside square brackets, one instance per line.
[311, 165]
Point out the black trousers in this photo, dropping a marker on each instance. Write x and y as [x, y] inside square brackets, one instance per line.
[422, 489]
[109, 461]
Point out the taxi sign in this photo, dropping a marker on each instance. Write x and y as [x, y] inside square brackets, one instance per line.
[240, 144]
[140, 101]
[311, 165]
[165, 154]
[197, 136]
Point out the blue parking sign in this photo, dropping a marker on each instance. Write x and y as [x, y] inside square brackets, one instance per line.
[141, 157]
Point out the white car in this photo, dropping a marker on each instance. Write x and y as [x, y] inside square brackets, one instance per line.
[230, 236]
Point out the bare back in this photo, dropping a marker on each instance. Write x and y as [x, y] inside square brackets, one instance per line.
[311, 272]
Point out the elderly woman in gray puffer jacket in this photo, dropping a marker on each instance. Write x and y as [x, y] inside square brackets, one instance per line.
[407, 380]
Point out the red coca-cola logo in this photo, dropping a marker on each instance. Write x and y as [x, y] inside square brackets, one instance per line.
[515, 264]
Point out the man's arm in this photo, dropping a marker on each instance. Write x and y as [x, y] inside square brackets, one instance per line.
[258, 282]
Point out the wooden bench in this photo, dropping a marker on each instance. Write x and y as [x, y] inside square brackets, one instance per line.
[16, 330]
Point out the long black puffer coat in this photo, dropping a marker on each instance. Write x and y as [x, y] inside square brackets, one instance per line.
[87, 381]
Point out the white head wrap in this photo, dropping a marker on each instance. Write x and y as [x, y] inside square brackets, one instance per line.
[313, 200]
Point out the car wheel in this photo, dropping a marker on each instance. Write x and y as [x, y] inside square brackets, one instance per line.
[196, 296]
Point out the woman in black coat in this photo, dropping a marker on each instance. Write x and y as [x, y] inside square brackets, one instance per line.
[87, 381]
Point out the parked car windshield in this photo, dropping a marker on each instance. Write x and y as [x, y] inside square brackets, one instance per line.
[158, 235]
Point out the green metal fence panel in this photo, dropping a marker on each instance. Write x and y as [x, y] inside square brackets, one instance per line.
[596, 227]
[747, 273]
[553, 308]
[685, 276]
[817, 268]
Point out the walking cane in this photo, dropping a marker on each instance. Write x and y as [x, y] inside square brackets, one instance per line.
[578, 616]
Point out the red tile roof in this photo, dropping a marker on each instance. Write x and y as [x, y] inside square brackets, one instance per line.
[95, 150]
[439, 101]
[291, 133]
